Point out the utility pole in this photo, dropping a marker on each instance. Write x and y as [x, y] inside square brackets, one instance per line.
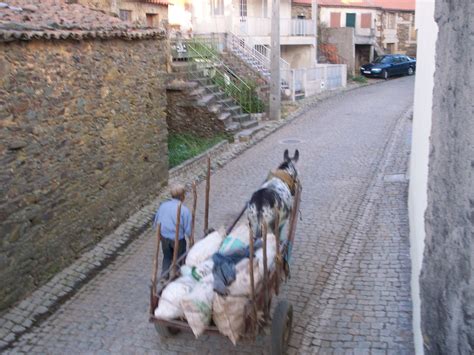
[275, 85]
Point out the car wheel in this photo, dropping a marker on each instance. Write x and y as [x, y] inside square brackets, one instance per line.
[385, 74]
[410, 71]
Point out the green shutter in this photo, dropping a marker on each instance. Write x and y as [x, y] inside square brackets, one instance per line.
[351, 20]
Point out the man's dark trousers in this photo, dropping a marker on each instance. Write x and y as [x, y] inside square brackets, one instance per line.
[168, 247]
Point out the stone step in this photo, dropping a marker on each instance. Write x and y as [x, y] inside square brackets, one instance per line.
[226, 117]
[181, 67]
[246, 134]
[215, 108]
[211, 87]
[233, 127]
[243, 117]
[206, 100]
[233, 109]
[249, 124]
[226, 101]
[198, 91]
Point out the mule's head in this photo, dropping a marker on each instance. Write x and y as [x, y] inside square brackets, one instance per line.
[289, 164]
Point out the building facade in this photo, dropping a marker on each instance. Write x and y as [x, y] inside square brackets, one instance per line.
[377, 27]
[148, 13]
[250, 21]
[441, 194]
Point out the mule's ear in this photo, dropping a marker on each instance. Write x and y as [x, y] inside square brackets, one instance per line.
[286, 155]
[296, 156]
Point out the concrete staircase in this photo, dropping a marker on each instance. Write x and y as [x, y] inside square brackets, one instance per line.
[205, 94]
[259, 61]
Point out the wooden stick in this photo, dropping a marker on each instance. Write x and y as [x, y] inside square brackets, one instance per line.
[155, 269]
[193, 220]
[208, 188]
[176, 241]
[265, 271]
[278, 251]
[252, 280]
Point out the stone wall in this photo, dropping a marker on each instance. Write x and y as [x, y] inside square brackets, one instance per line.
[184, 115]
[298, 10]
[447, 278]
[83, 144]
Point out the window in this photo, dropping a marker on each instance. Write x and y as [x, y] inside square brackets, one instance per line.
[217, 7]
[125, 15]
[152, 20]
[366, 20]
[243, 8]
[391, 20]
[335, 19]
[350, 20]
[390, 47]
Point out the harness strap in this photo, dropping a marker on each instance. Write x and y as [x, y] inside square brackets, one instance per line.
[285, 177]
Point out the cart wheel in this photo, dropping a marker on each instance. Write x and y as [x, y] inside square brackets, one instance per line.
[281, 327]
[164, 331]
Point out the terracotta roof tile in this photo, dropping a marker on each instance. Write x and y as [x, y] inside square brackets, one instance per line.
[54, 19]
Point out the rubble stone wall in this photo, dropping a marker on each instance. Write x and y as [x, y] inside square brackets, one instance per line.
[185, 115]
[298, 10]
[447, 277]
[83, 144]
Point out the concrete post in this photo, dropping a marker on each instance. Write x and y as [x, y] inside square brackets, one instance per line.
[314, 17]
[275, 85]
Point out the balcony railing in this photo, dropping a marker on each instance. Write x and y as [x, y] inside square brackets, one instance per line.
[254, 26]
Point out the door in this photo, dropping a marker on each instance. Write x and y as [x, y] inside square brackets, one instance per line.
[243, 16]
[397, 65]
[351, 20]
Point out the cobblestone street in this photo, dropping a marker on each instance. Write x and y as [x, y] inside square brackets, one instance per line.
[350, 267]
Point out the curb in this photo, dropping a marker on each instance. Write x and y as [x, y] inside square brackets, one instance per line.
[44, 301]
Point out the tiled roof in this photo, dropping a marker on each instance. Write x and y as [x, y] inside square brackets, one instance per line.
[407, 5]
[54, 19]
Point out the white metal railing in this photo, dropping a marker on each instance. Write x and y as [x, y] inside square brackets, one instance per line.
[262, 26]
[297, 27]
[246, 50]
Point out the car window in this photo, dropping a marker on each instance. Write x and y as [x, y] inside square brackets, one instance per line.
[403, 59]
[397, 60]
[383, 59]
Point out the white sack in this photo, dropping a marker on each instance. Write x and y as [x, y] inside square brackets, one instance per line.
[271, 253]
[197, 306]
[169, 306]
[202, 270]
[238, 239]
[241, 285]
[204, 248]
[228, 315]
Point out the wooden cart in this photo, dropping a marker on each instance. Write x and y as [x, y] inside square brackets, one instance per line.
[260, 298]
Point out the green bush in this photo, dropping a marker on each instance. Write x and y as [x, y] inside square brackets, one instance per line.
[359, 79]
[183, 146]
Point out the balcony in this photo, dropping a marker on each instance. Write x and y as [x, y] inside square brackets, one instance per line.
[255, 26]
[261, 26]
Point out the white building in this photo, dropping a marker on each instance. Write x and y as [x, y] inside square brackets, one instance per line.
[250, 21]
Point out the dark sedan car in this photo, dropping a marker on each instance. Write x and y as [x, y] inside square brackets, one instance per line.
[388, 65]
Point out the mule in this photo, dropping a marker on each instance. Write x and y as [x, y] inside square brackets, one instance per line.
[274, 196]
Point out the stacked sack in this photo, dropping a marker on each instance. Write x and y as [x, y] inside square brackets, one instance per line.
[198, 294]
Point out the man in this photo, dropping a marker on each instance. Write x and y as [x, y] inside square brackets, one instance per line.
[166, 216]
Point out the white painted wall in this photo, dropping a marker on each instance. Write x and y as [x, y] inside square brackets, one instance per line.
[417, 199]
